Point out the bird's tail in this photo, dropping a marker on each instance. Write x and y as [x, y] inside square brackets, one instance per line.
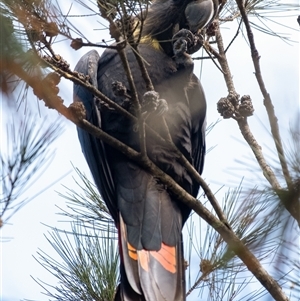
[150, 275]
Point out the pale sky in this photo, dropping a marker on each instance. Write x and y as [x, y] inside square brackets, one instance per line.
[280, 67]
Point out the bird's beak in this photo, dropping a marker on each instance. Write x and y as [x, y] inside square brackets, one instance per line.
[198, 14]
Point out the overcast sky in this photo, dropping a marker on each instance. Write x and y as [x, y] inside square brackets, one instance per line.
[280, 67]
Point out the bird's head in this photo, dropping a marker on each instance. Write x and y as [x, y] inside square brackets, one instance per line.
[166, 17]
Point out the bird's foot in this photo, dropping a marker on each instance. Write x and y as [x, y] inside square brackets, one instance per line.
[198, 43]
[193, 42]
[152, 105]
[182, 35]
[184, 44]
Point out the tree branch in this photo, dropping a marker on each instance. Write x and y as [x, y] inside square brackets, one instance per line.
[292, 206]
[267, 99]
[223, 61]
[242, 121]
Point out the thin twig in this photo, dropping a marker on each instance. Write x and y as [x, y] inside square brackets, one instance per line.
[230, 18]
[256, 148]
[136, 103]
[210, 50]
[235, 36]
[90, 44]
[223, 61]
[267, 99]
[198, 281]
[133, 91]
[141, 63]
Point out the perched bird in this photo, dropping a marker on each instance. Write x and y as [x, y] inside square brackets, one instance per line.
[149, 218]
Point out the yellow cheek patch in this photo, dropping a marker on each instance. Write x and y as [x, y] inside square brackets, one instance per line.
[153, 42]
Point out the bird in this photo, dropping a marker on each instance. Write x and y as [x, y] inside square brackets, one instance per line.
[148, 216]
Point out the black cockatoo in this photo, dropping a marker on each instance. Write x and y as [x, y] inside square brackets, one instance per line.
[149, 218]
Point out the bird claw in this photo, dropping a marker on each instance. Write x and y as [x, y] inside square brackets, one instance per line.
[198, 43]
[185, 42]
[152, 105]
[183, 35]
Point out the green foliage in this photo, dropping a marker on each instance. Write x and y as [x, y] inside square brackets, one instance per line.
[23, 158]
[87, 206]
[88, 264]
[88, 267]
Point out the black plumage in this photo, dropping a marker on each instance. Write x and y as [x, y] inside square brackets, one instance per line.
[148, 217]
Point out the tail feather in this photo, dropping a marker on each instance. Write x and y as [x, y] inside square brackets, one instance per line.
[129, 260]
[125, 291]
[150, 275]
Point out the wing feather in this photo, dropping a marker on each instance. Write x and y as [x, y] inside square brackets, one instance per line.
[92, 148]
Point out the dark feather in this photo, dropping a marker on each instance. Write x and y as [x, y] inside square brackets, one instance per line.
[92, 148]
